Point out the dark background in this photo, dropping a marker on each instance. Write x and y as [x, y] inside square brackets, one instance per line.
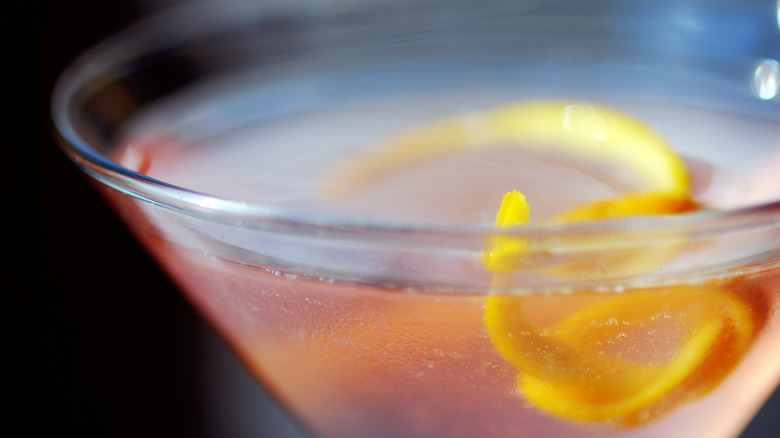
[109, 348]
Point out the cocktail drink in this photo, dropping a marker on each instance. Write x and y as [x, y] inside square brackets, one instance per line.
[445, 219]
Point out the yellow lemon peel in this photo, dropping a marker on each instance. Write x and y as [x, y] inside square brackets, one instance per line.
[574, 368]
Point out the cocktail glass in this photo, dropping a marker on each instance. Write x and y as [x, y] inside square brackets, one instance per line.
[239, 143]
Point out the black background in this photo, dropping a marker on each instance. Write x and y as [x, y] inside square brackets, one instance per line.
[107, 347]
[116, 344]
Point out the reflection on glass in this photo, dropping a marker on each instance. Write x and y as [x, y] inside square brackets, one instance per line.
[766, 79]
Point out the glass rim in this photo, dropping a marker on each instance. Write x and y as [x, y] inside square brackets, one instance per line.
[701, 224]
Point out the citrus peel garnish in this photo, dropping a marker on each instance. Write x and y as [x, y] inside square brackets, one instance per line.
[623, 358]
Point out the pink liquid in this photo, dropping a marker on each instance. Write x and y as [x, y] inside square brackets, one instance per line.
[363, 361]
[353, 359]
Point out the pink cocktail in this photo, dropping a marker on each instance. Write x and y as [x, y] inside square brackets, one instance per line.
[322, 182]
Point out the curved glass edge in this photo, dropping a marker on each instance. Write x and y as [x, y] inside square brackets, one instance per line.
[701, 224]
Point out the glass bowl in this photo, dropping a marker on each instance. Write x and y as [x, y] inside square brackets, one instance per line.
[253, 149]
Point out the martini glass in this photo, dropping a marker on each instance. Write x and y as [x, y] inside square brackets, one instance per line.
[219, 132]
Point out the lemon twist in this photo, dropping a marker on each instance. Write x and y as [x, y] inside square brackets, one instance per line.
[600, 362]
[622, 358]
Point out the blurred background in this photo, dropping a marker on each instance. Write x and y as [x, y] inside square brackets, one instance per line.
[109, 347]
